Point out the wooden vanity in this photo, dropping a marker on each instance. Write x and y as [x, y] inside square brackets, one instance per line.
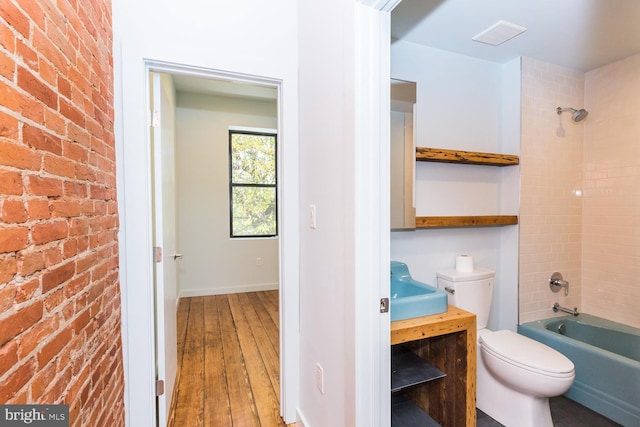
[442, 347]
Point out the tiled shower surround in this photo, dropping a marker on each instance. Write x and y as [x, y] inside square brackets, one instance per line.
[580, 196]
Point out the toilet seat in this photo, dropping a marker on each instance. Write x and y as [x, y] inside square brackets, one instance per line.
[526, 353]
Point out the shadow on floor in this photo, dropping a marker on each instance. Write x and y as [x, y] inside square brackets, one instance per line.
[564, 412]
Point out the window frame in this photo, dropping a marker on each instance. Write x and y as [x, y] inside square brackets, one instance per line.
[232, 185]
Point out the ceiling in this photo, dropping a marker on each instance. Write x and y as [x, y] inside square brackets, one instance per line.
[579, 34]
[227, 88]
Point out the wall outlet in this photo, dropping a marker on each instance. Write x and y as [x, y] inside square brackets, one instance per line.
[258, 261]
[320, 378]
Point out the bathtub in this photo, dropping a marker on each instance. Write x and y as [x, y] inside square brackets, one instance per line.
[606, 355]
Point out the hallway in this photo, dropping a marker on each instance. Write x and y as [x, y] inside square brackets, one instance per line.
[228, 361]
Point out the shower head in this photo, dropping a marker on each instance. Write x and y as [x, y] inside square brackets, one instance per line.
[578, 115]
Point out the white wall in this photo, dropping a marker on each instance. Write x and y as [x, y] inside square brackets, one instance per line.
[213, 263]
[327, 181]
[463, 103]
[229, 37]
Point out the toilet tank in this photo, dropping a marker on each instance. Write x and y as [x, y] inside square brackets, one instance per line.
[470, 291]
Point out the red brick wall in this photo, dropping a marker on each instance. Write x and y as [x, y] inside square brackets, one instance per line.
[60, 338]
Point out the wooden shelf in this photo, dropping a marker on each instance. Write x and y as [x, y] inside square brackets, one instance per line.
[405, 413]
[465, 221]
[408, 369]
[424, 154]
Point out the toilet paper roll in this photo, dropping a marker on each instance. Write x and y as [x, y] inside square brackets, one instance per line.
[464, 263]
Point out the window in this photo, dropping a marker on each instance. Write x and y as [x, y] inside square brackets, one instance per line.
[252, 184]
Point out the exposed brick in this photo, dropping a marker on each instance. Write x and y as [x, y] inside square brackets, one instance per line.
[35, 12]
[75, 189]
[84, 173]
[52, 256]
[48, 73]
[65, 208]
[13, 239]
[8, 357]
[38, 209]
[8, 127]
[7, 65]
[77, 285]
[41, 140]
[33, 85]
[49, 50]
[7, 297]
[13, 211]
[55, 277]
[15, 18]
[49, 231]
[17, 322]
[21, 103]
[43, 380]
[32, 338]
[81, 321]
[53, 347]
[70, 248]
[18, 156]
[29, 57]
[30, 262]
[10, 183]
[56, 123]
[17, 379]
[59, 166]
[72, 113]
[7, 39]
[26, 290]
[40, 186]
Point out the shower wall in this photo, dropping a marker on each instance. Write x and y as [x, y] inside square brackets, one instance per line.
[611, 202]
[580, 197]
[551, 177]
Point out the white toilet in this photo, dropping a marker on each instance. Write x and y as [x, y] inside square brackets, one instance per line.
[516, 375]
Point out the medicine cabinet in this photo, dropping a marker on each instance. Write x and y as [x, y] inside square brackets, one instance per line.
[403, 155]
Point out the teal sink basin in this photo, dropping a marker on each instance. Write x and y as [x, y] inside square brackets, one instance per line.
[410, 298]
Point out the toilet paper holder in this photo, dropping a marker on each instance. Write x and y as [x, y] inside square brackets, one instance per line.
[556, 282]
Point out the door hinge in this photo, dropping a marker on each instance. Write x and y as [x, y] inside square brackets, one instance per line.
[384, 305]
[159, 387]
[157, 254]
[155, 118]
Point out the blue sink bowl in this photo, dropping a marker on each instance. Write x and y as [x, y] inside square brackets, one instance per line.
[410, 298]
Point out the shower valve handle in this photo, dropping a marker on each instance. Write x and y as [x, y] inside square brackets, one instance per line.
[556, 282]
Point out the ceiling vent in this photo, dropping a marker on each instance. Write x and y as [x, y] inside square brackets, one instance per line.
[499, 33]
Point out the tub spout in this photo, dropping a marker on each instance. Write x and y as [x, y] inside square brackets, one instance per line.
[557, 307]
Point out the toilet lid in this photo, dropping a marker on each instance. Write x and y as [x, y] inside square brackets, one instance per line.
[526, 353]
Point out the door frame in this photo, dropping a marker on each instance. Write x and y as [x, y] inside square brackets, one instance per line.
[137, 301]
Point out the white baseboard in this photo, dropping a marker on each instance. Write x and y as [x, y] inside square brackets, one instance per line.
[301, 421]
[229, 290]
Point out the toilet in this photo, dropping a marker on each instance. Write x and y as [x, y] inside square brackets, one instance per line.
[515, 374]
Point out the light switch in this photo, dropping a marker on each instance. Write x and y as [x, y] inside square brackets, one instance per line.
[312, 216]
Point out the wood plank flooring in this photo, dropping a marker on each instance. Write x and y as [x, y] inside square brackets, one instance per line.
[228, 362]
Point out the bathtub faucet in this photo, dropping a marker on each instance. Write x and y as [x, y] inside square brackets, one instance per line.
[557, 307]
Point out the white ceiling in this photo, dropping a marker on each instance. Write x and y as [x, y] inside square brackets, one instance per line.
[219, 87]
[579, 34]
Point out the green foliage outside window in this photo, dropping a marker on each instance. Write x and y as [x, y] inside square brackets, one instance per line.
[253, 184]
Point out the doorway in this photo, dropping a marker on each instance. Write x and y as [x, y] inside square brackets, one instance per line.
[198, 250]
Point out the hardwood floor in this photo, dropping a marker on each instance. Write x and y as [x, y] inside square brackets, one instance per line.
[228, 361]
